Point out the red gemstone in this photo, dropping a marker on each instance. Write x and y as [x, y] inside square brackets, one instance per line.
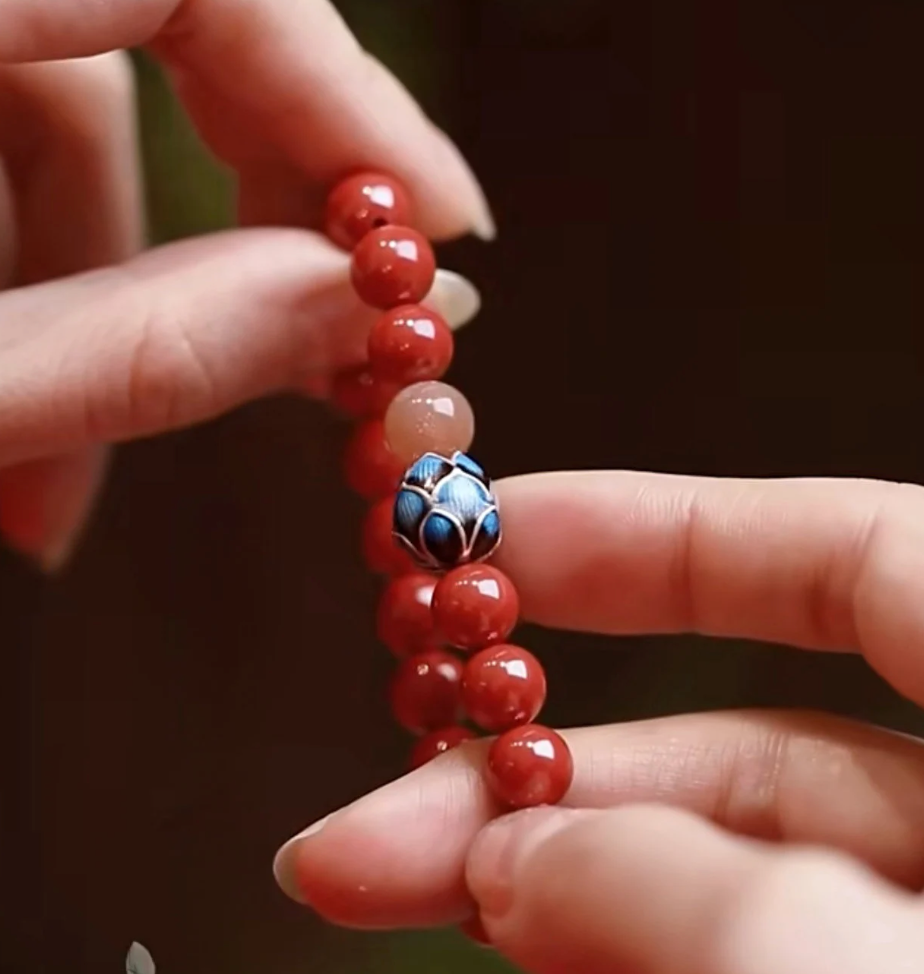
[392, 266]
[362, 203]
[529, 765]
[382, 553]
[404, 621]
[439, 742]
[359, 394]
[370, 467]
[475, 606]
[410, 344]
[425, 691]
[503, 687]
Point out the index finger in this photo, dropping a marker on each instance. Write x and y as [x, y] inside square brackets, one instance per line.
[820, 564]
[290, 70]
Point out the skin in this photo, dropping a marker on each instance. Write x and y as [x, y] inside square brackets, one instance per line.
[104, 343]
[725, 843]
[735, 843]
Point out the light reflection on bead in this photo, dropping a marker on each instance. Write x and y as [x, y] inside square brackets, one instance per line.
[503, 687]
[404, 621]
[425, 691]
[392, 266]
[357, 393]
[429, 417]
[410, 344]
[361, 203]
[529, 765]
[475, 606]
[439, 742]
[445, 512]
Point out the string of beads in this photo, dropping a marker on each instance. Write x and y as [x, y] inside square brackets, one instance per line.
[433, 521]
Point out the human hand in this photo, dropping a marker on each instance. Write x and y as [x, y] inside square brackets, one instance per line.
[779, 843]
[139, 344]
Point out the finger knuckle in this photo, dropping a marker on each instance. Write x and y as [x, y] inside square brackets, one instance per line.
[749, 784]
[166, 378]
[170, 375]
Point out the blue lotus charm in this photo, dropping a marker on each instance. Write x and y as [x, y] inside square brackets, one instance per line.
[445, 513]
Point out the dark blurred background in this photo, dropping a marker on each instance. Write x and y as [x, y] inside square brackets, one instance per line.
[710, 235]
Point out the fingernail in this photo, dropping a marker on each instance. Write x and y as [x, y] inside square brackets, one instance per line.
[500, 850]
[481, 219]
[454, 297]
[484, 226]
[285, 860]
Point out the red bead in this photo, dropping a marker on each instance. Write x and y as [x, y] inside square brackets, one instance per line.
[370, 467]
[392, 266]
[503, 687]
[475, 606]
[425, 691]
[404, 621]
[382, 553]
[529, 765]
[359, 394]
[361, 203]
[410, 344]
[439, 742]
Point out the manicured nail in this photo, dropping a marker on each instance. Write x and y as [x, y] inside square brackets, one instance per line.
[501, 849]
[284, 863]
[484, 226]
[454, 297]
[480, 216]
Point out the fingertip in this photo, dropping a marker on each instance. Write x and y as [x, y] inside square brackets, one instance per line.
[479, 218]
[395, 858]
[285, 862]
[449, 200]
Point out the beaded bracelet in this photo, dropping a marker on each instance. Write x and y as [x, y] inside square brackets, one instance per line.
[433, 520]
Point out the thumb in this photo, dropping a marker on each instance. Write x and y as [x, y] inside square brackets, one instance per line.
[660, 891]
[179, 335]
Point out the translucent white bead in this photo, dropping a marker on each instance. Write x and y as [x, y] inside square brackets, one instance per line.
[429, 417]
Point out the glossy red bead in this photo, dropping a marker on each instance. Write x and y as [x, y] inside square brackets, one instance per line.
[370, 467]
[529, 765]
[381, 552]
[392, 266]
[503, 687]
[410, 344]
[425, 691]
[404, 621]
[438, 742]
[475, 606]
[359, 394]
[362, 203]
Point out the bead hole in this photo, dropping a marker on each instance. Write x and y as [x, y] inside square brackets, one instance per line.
[378, 222]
